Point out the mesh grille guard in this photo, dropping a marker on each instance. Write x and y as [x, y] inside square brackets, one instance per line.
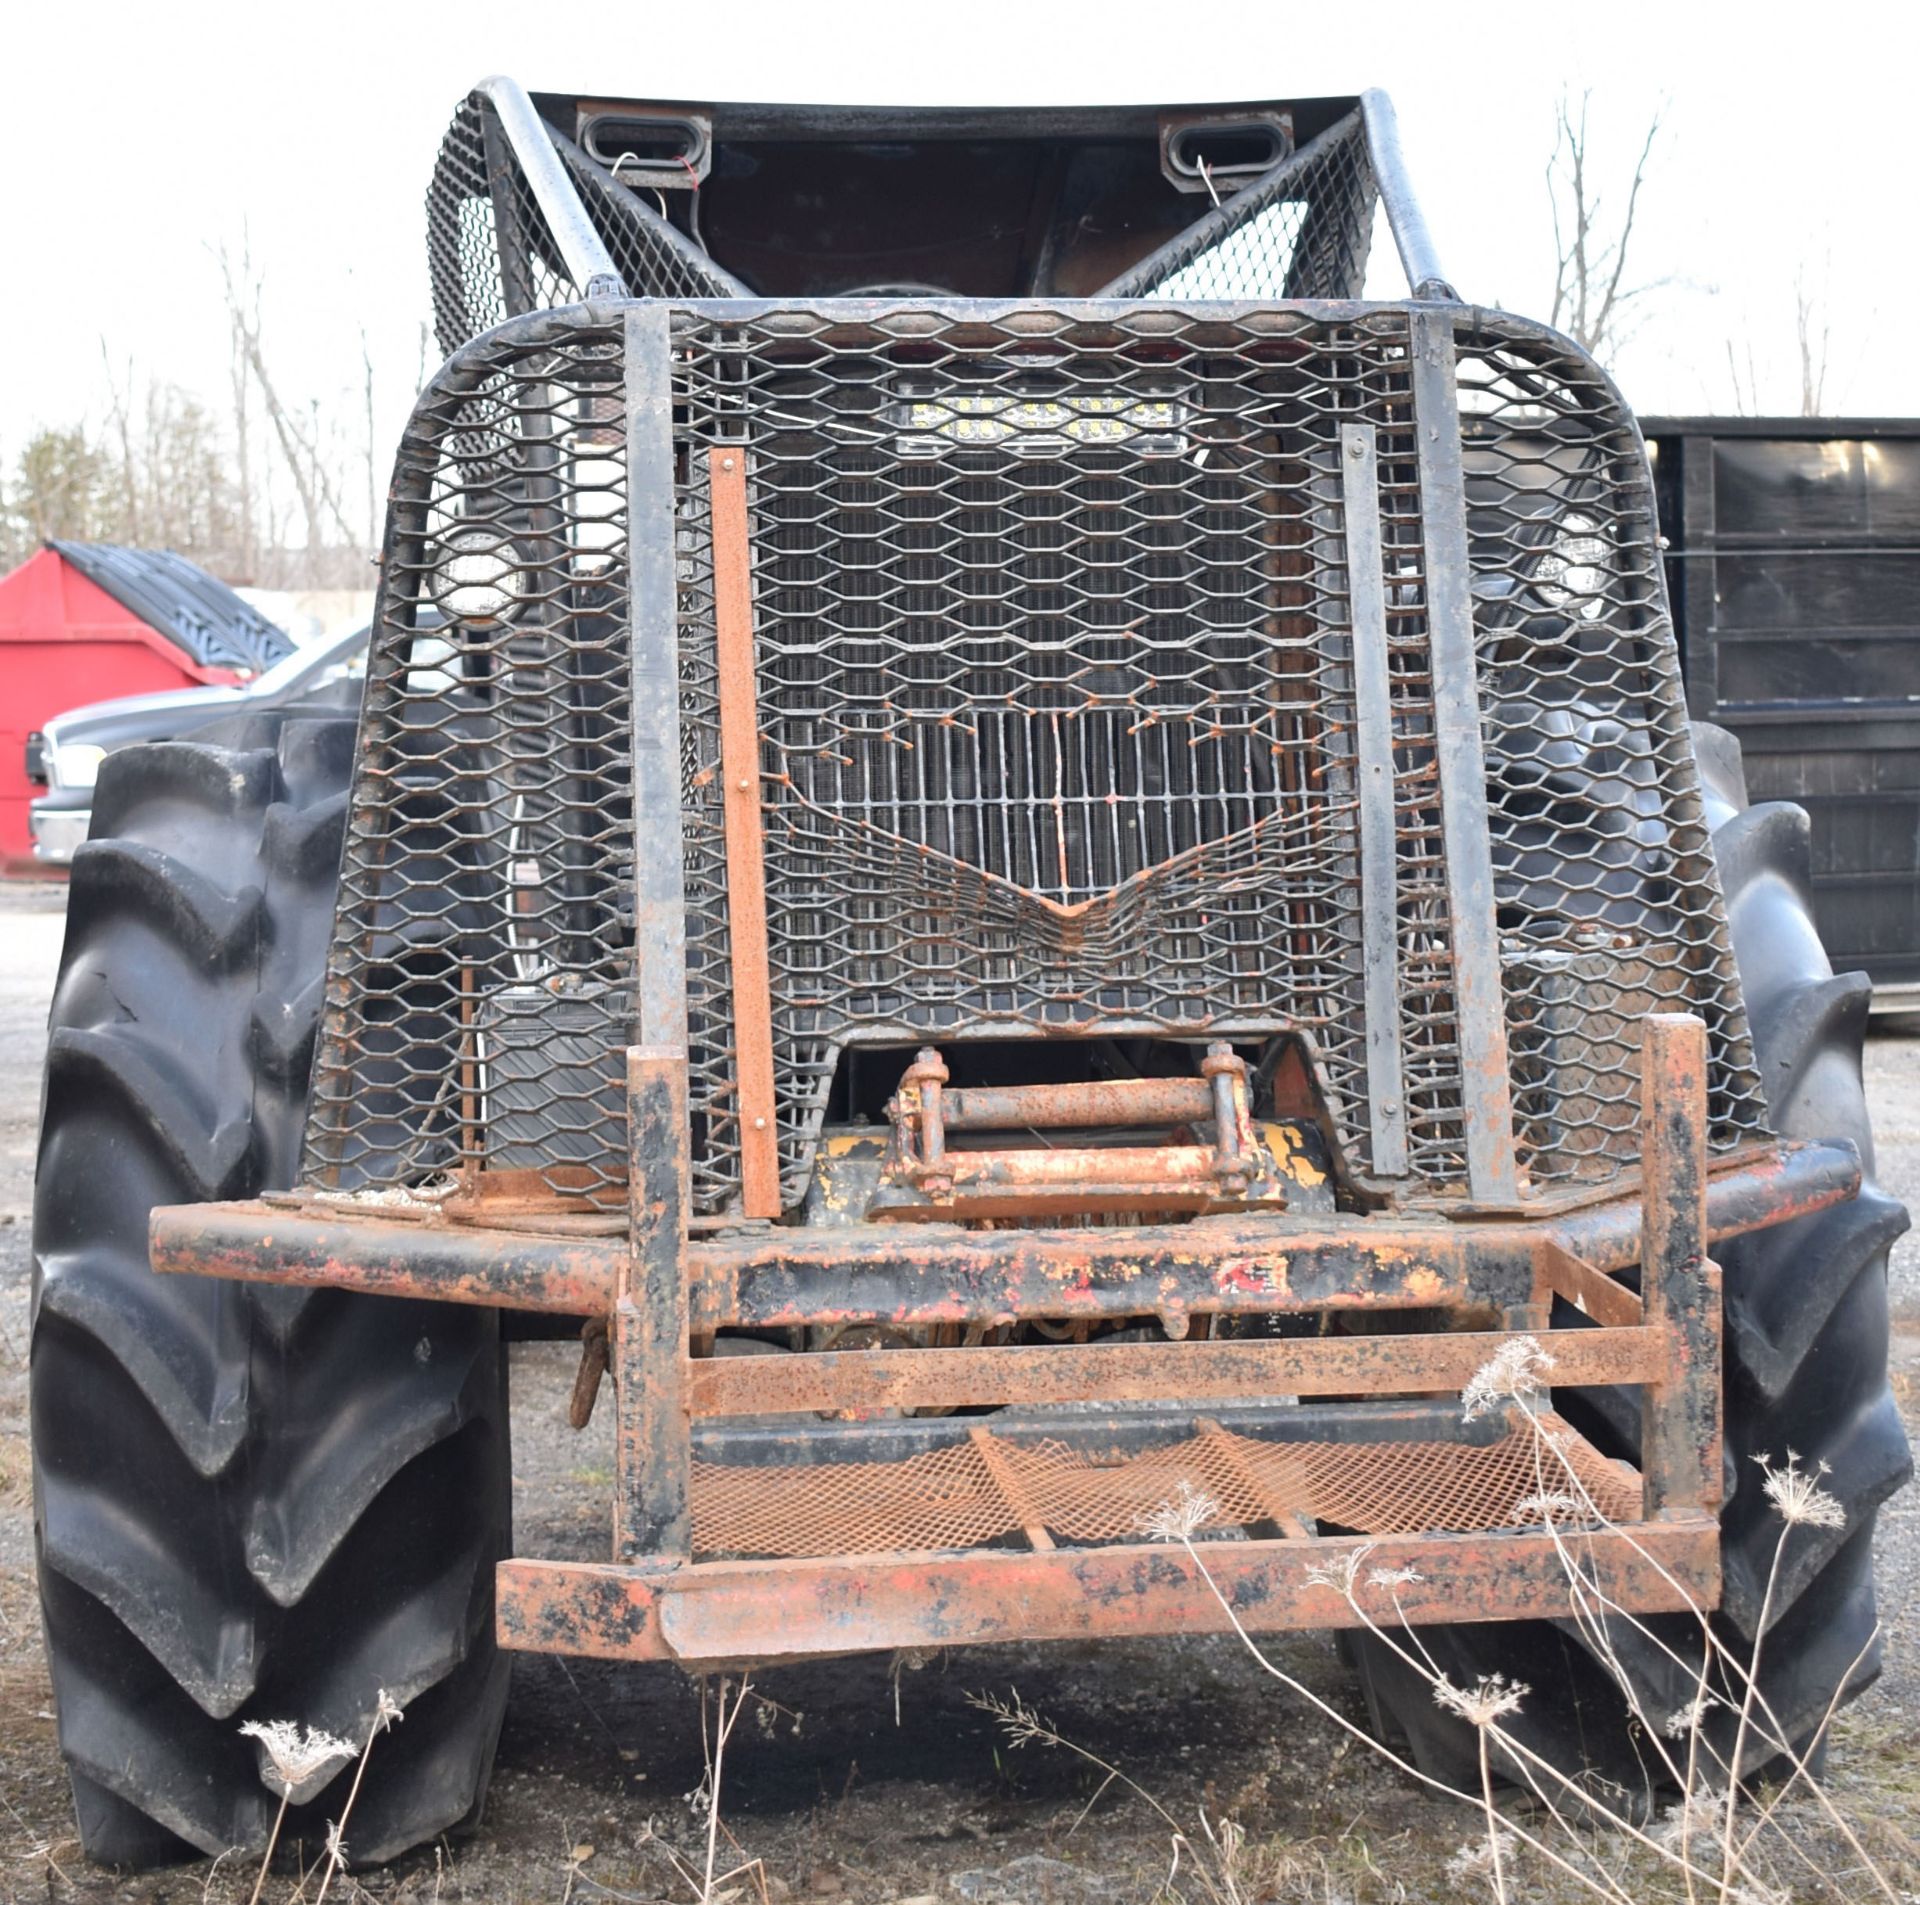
[1092, 646]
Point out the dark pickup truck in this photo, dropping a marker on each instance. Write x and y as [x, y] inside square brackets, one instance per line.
[65, 756]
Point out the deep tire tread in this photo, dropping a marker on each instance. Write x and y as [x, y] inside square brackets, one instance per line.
[249, 1502]
[116, 877]
[1806, 1346]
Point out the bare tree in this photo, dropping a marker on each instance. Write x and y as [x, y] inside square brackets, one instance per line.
[333, 545]
[240, 388]
[184, 483]
[1746, 380]
[162, 470]
[160, 474]
[1591, 295]
[1813, 332]
[119, 421]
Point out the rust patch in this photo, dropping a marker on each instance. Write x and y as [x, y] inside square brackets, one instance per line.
[712, 1613]
[745, 837]
[1038, 1374]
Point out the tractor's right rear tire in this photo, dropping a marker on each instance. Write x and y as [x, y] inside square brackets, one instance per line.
[250, 1502]
[1806, 1336]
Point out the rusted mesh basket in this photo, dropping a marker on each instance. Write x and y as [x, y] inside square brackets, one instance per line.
[992, 1489]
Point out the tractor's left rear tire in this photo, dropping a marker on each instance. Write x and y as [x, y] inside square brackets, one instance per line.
[251, 1503]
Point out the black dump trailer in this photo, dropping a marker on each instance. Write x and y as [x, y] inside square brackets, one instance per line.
[1793, 561]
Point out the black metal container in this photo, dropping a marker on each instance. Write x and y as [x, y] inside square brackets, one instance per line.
[1793, 562]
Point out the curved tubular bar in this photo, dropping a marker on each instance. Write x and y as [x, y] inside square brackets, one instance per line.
[589, 264]
[1404, 217]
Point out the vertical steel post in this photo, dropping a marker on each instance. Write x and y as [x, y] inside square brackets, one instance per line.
[1680, 1434]
[649, 1348]
[659, 879]
[1479, 1002]
[655, 1448]
[1373, 762]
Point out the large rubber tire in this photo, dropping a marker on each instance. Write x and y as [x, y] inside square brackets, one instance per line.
[249, 1502]
[1806, 1370]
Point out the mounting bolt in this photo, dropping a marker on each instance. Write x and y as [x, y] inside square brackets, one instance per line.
[759, 1124]
[726, 462]
[746, 784]
[594, 1351]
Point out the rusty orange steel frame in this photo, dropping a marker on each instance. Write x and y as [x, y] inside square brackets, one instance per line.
[1465, 1285]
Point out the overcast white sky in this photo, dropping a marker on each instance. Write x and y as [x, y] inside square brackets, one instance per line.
[136, 139]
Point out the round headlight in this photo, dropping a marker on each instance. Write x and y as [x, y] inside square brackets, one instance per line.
[77, 764]
[1574, 572]
[479, 566]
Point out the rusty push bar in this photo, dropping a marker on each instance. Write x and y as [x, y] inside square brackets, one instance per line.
[677, 1589]
[796, 1605]
[766, 1612]
[1036, 1374]
[910, 1274]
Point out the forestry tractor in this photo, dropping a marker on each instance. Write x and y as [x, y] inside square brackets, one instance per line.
[1036, 868]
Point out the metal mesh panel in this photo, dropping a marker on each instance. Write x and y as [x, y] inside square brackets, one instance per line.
[1609, 903]
[1300, 230]
[492, 256]
[1052, 687]
[967, 1495]
[463, 235]
[481, 986]
[1053, 666]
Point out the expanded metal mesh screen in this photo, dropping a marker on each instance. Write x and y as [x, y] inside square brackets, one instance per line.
[491, 253]
[481, 987]
[1301, 230]
[993, 1488]
[1609, 906]
[1054, 687]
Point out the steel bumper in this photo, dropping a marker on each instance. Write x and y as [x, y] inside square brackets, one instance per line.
[713, 1613]
[776, 1507]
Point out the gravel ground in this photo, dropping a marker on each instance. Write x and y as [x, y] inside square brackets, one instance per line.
[875, 1780]
[1892, 1070]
